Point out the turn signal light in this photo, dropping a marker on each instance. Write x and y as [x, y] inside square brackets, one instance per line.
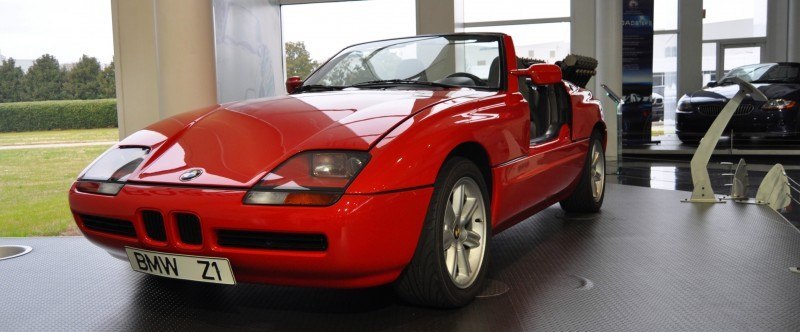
[310, 199]
[97, 187]
[290, 198]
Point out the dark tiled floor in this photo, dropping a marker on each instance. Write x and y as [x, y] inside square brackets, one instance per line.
[631, 267]
[674, 173]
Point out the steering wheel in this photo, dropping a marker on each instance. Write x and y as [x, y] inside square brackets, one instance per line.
[478, 81]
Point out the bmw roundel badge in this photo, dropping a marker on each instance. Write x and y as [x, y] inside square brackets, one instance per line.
[191, 174]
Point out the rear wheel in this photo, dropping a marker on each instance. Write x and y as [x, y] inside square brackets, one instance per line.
[450, 263]
[590, 192]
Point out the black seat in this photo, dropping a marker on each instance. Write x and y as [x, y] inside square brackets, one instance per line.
[546, 121]
[494, 73]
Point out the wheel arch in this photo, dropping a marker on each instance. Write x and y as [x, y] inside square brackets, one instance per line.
[600, 127]
[476, 153]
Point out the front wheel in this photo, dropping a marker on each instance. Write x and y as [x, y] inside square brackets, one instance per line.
[590, 192]
[450, 263]
[688, 139]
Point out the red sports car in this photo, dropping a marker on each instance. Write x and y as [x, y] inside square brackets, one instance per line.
[394, 162]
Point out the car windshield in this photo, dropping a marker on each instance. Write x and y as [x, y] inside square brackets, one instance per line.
[429, 61]
[765, 73]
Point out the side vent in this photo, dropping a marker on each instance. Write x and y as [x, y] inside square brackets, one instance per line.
[270, 240]
[108, 225]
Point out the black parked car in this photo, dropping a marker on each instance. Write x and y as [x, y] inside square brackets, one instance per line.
[637, 118]
[778, 117]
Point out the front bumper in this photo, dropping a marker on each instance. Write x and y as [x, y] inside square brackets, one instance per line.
[758, 123]
[370, 238]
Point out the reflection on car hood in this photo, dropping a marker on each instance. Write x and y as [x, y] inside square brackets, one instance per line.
[723, 93]
[236, 144]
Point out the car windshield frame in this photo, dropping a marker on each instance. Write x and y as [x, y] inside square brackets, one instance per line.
[313, 83]
[756, 73]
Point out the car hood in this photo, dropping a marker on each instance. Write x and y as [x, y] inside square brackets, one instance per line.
[236, 144]
[724, 93]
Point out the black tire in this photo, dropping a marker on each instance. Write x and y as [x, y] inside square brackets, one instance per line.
[425, 281]
[685, 139]
[582, 199]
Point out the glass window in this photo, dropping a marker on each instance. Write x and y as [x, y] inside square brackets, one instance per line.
[504, 10]
[726, 19]
[709, 62]
[327, 28]
[665, 76]
[740, 56]
[665, 15]
[546, 41]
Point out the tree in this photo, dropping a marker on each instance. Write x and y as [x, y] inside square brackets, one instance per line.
[298, 60]
[44, 79]
[108, 87]
[82, 79]
[10, 81]
[350, 70]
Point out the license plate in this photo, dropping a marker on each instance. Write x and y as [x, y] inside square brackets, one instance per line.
[195, 268]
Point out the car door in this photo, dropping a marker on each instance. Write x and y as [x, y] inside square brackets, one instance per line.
[553, 160]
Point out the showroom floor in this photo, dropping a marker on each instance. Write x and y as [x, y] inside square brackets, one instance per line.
[674, 173]
[646, 262]
[670, 145]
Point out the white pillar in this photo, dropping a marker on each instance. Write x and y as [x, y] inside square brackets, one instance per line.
[690, 45]
[794, 32]
[777, 31]
[582, 37]
[164, 57]
[608, 36]
[439, 16]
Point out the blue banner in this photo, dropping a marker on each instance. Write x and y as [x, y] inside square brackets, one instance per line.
[637, 68]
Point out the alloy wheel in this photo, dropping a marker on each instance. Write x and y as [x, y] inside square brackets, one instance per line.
[464, 233]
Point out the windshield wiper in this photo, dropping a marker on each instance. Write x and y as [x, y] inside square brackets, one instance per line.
[397, 82]
[317, 87]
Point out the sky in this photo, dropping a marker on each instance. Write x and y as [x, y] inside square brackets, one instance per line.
[66, 29]
[70, 28]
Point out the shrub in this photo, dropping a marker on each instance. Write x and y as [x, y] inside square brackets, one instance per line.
[59, 114]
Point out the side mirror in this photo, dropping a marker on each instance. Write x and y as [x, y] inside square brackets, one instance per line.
[711, 84]
[292, 83]
[540, 73]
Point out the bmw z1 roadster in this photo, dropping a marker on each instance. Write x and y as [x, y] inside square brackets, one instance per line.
[394, 162]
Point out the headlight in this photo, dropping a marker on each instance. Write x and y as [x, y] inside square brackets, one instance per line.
[317, 178]
[778, 104]
[107, 175]
[684, 105]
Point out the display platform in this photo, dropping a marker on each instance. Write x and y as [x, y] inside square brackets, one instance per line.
[669, 145]
[647, 262]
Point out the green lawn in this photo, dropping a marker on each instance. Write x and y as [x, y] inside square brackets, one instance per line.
[34, 182]
[59, 136]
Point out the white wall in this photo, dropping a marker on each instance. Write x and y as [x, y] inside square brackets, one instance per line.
[249, 49]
